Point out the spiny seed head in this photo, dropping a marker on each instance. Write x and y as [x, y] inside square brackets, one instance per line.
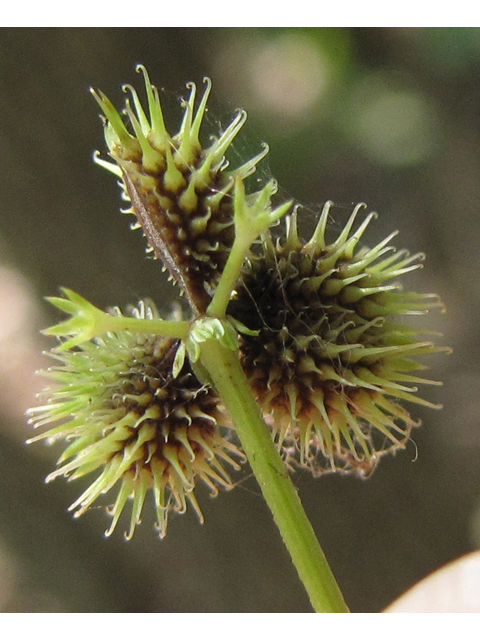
[135, 425]
[331, 358]
[180, 192]
[320, 334]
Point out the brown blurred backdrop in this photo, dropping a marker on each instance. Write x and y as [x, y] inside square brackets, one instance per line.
[390, 117]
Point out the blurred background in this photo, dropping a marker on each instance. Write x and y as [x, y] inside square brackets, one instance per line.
[390, 117]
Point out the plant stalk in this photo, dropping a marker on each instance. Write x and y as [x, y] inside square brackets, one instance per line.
[277, 487]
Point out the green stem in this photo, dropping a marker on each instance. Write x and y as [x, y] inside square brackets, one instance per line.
[221, 297]
[166, 328]
[279, 492]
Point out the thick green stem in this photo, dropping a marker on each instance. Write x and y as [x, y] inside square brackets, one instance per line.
[279, 492]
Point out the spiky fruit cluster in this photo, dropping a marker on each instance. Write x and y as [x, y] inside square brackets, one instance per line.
[316, 324]
[181, 193]
[135, 424]
[330, 359]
